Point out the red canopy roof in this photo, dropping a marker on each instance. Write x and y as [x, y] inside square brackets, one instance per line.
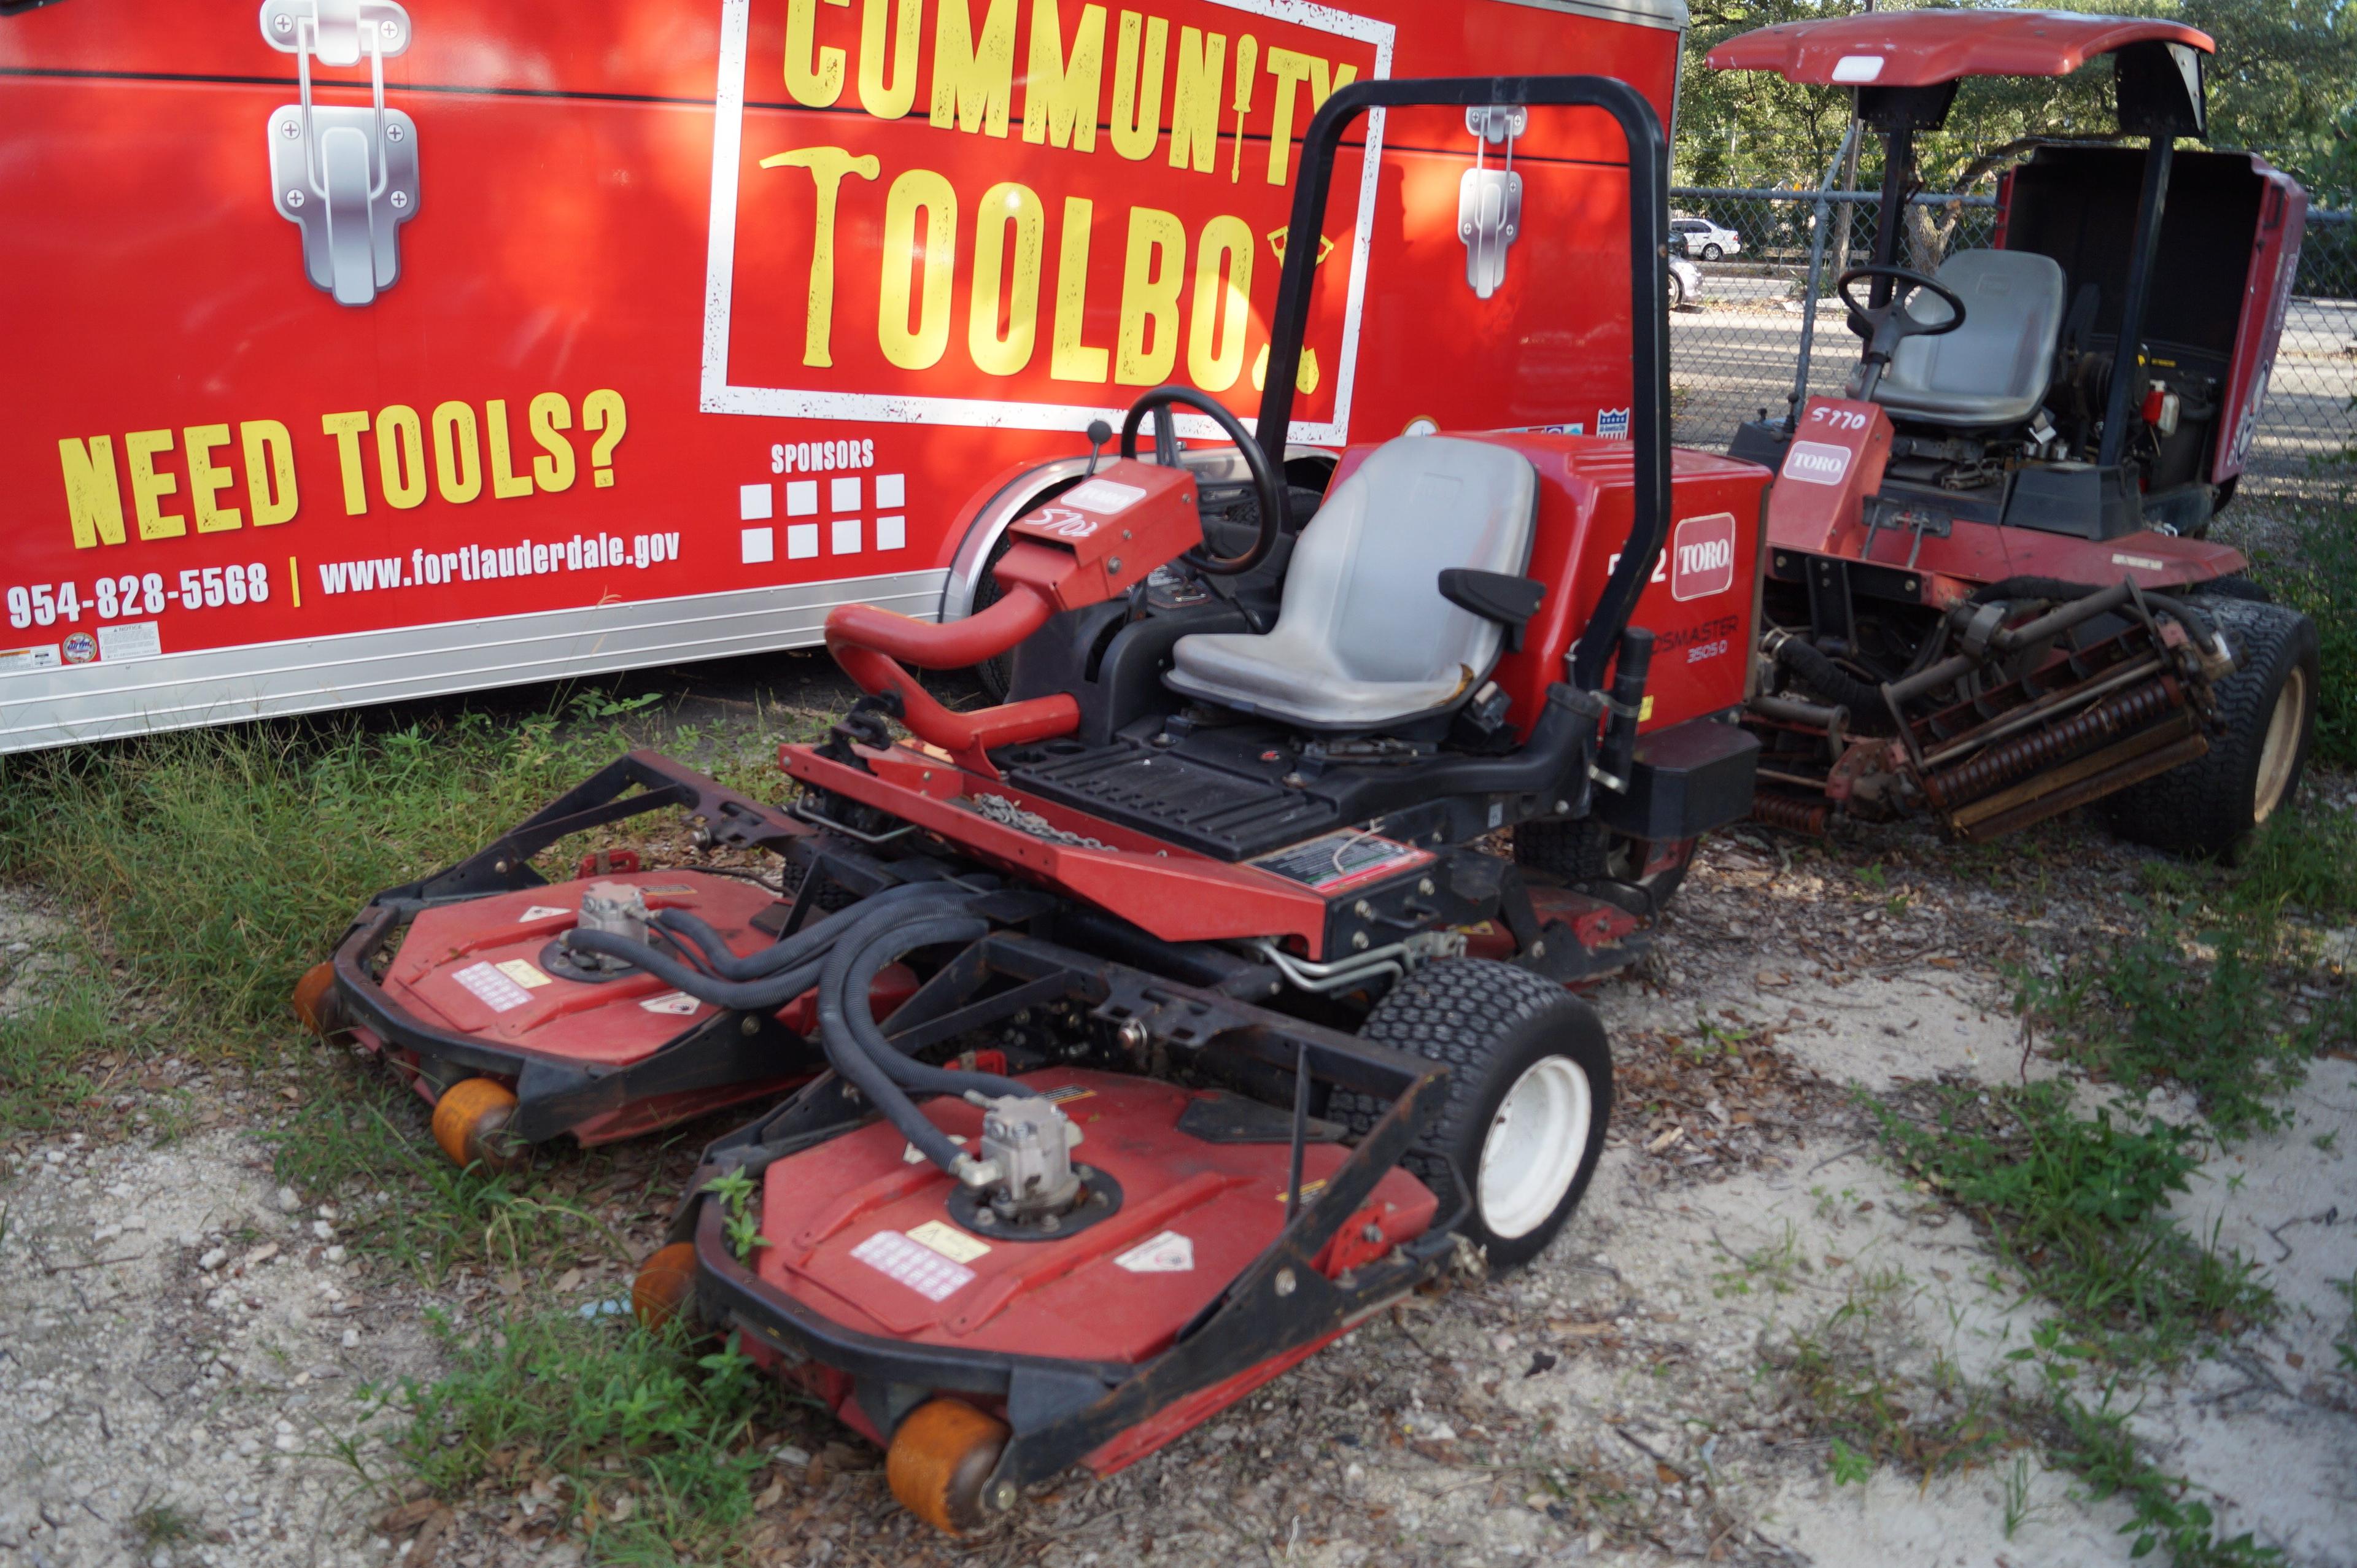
[1916, 48]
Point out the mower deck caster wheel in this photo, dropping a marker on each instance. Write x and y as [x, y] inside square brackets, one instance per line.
[316, 1003]
[471, 1123]
[665, 1285]
[939, 1464]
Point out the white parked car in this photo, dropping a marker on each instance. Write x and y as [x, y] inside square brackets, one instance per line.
[1704, 239]
[1685, 282]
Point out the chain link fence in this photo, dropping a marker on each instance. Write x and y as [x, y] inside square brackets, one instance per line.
[1735, 349]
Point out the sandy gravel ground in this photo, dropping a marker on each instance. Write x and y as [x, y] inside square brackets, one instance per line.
[177, 1334]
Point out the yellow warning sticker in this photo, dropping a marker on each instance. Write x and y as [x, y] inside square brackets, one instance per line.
[1645, 711]
[1069, 1093]
[1308, 1189]
[948, 1241]
[522, 971]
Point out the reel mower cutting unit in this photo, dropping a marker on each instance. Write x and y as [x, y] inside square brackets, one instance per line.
[1989, 595]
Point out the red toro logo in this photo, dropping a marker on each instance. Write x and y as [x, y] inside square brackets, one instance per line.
[1702, 556]
[1815, 463]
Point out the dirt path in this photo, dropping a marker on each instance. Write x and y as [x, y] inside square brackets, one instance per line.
[181, 1343]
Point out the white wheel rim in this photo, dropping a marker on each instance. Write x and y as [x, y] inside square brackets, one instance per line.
[2281, 747]
[1533, 1149]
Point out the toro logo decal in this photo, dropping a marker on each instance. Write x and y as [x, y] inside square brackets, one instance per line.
[1815, 463]
[1702, 556]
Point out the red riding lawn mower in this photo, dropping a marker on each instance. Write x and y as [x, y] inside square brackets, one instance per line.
[1988, 591]
[1175, 1015]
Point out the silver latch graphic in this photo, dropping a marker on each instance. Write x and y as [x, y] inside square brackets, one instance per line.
[347, 176]
[1489, 200]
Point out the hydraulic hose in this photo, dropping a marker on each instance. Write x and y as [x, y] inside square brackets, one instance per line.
[809, 942]
[871, 1064]
[1828, 679]
[744, 995]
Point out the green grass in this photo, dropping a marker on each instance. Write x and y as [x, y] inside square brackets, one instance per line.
[2077, 1207]
[358, 1131]
[2321, 581]
[651, 1441]
[217, 866]
[46, 1047]
[2097, 1444]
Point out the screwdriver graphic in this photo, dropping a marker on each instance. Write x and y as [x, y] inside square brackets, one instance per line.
[1247, 64]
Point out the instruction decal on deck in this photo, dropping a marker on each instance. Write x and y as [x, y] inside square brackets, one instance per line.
[948, 1241]
[1342, 859]
[541, 912]
[1065, 1094]
[522, 973]
[492, 989]
[918, 1267]
[1168, 1253]
[678, 1004]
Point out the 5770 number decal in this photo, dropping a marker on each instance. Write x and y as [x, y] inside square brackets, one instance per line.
[134, 594]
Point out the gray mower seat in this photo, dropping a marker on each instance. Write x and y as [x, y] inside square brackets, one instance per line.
[1364, 638]
[1994, 369]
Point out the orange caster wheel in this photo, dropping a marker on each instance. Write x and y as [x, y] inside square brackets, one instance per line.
[471, 1121]
[940, 1465]
[665, 1285]
[316, 1002]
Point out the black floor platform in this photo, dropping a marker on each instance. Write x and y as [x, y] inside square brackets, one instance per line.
[1211, 809]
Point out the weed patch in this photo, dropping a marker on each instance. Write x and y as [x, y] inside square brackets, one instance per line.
[2146, 1010]
[642, 1444]
[2320, 581]
[47, 1045]
[2078, 1208]
[2098, 1446]
[219, 863]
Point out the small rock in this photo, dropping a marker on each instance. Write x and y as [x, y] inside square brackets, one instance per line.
[323, 1230]
[287, 1202]
[335, 1254]
[352, 1338]
[213, 1260]
[107, 1232]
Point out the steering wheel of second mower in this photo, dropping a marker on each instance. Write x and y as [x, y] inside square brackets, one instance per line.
[1894, 314]
[1268, 484]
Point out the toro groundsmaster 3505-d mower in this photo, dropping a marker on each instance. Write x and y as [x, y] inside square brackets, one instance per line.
[1989, 594]
[1222, 1023]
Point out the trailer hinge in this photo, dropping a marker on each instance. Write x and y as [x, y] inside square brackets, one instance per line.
[347, 176]
[1489, 200]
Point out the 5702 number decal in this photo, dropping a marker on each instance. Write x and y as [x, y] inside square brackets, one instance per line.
[136, 594]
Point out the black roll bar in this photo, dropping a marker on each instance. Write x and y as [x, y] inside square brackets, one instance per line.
[1648, 212]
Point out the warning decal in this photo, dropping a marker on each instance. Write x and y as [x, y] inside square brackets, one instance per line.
[678, 1004]
[948, 1240]
[1168, 1253]
[492, 989]
[918, 1267]
[522, 971]
[540, 912]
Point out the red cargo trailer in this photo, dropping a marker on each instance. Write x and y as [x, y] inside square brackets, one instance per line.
[362, 350]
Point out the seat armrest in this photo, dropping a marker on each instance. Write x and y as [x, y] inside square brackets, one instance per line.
[1495, 596]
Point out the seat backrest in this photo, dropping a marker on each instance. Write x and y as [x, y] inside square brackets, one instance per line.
[1364, 581]
[1994, 369]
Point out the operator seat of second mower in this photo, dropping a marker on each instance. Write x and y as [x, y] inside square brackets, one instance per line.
[1366, 638]
[1994, 369]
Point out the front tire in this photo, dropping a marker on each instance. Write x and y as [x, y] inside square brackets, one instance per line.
[1530, 1092]
[2214, 805]
[1677, 293]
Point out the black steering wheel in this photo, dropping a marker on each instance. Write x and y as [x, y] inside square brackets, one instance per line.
[1870, 321]
[1268, 484]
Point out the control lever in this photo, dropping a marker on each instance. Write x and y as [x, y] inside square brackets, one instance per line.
[1099, 433]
